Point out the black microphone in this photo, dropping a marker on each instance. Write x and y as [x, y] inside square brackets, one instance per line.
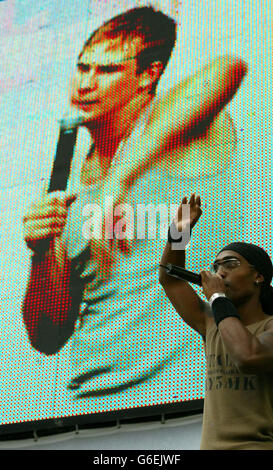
[64, 153]
[62, 163]
[182, 274]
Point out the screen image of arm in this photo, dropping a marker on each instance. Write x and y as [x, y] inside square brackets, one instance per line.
[51, 303]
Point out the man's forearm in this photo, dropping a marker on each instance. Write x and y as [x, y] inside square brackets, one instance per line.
[175, 117]
[48, 294]
[183, 297]
[245, 349]
[176, 257]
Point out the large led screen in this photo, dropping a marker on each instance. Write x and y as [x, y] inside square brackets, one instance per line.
[111, 113]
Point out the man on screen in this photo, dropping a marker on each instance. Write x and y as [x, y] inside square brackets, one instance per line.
[104, 290]
[237, 327]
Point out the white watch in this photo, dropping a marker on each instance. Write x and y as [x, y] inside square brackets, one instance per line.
[214, 296]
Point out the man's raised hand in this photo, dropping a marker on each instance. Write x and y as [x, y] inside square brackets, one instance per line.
[195, 213]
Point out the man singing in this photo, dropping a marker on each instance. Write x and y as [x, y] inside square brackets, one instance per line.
[237, 327]
[103, 291]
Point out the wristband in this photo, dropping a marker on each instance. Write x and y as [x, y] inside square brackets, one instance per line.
[223, 308]
[172, 231]
[214, 296]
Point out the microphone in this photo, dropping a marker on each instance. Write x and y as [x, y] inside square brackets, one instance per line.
[182, 274]
[64, 153]
[62, 162]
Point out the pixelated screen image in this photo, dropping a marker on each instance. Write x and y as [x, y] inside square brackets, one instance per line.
[111, 113]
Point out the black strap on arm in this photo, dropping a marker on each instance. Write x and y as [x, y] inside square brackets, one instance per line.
[222, 308]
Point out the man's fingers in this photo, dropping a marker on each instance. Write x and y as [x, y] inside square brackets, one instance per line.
[195, 200]
[70, 200]
[45, 212]
[204, 276]
[55, 204]
[60, 197]
[46, 217]
[192, 200]
[44, 222]
[43, 233]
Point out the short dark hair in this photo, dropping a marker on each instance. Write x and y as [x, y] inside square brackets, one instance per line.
[157, 30]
